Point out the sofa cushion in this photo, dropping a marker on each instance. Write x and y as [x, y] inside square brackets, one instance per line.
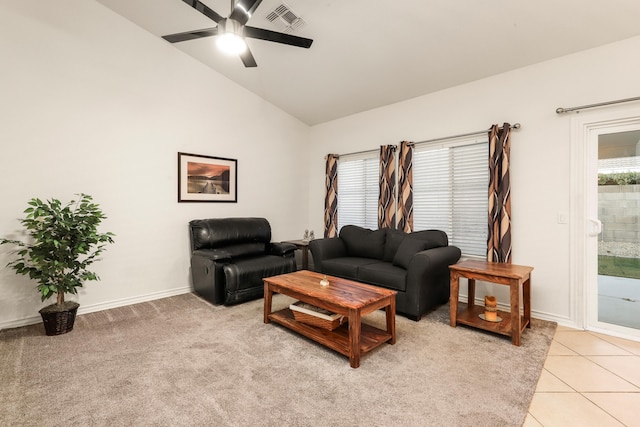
[346, 267]
[362, 242]
[408, 248]
[383, 274]
[394, 238]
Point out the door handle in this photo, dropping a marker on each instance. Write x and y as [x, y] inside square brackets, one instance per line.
[597, 229]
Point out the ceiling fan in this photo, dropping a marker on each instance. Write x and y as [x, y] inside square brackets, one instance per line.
[234, 29]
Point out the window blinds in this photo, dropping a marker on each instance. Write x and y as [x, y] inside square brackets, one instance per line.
[358, 190]
[450, 192]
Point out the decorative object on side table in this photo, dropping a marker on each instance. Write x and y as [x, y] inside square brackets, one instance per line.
[65, 242]
[308, 236]
[324, 281]
[490, 310]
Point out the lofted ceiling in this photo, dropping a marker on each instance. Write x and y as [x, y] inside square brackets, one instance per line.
[368, 54]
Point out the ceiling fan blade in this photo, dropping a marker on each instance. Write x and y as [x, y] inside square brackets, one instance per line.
[247, 58]
[204, 9]
[190, 35]
[243, 10]
[274, 36]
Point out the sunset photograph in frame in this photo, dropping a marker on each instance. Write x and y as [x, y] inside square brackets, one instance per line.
[207, 178]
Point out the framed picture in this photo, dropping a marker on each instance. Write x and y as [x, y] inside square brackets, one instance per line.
[207, 179]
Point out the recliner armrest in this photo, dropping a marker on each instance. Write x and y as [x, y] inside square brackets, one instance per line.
[216, 255]
[281, 249]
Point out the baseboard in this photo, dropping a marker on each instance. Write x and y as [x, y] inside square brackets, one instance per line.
[84, 309]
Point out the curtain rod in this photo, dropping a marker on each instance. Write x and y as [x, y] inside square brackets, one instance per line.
[513, 126]
[356, 152]
[561, 110]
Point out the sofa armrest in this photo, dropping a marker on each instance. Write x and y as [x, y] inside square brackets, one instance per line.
[216, 255]
[428, 277]
[430, 259]
[326, 248]
[281, 249]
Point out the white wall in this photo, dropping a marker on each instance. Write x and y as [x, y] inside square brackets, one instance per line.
[97, 105]
[91, 103]
[540, 153]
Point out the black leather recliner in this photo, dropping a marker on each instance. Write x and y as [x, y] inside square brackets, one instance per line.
[231, 256]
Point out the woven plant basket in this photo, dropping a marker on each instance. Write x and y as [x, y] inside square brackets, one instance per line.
[329, 325]
[59, 320]
[315, 316]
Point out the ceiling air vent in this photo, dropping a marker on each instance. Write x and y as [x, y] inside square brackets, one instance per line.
[285, 19]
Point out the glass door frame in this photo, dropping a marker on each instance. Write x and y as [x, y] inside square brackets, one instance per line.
[586, 128]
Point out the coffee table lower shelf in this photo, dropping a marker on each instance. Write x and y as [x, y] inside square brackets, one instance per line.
[470, 317]
[338, 339]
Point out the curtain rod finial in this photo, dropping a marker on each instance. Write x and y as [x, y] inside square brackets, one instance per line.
[560, 110]
[516, 126]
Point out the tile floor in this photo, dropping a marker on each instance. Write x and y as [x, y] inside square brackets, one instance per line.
[589, 379]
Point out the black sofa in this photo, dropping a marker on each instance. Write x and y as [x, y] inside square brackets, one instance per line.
[231, 256]
[414, 264]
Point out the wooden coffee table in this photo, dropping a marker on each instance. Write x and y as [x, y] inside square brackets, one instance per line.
[341, 296]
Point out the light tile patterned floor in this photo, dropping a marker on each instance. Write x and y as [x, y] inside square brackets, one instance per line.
[588, 379]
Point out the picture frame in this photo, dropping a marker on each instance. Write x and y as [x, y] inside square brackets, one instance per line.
[207, 178]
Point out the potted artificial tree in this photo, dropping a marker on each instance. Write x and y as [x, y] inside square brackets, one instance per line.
[64, 242]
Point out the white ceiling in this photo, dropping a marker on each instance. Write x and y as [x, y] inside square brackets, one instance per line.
[371, 53]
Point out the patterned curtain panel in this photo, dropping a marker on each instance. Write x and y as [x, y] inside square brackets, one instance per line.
[499, 240]
[387, 197]
[331, 197]
[405, 196]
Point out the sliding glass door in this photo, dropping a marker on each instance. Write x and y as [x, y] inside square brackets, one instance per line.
[618, 228]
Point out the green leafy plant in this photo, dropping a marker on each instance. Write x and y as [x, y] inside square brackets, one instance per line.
[621, 178]
[64, 242]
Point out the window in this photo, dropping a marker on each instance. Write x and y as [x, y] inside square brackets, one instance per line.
[450, 185]
[358, 190]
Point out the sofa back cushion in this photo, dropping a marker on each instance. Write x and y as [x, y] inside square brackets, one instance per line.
[243, 236]
[394, 239]
[362, 242]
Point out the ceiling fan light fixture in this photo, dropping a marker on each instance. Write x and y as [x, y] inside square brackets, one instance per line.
[231, 44]
[231, 32]
[230, 40]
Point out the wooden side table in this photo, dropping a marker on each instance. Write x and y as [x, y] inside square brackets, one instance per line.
[303, 245]
[514, 276]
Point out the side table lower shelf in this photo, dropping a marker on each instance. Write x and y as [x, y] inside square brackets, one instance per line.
[470, 317]
[338, 339]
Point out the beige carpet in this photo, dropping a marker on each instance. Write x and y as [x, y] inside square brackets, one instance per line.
[181, 362]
